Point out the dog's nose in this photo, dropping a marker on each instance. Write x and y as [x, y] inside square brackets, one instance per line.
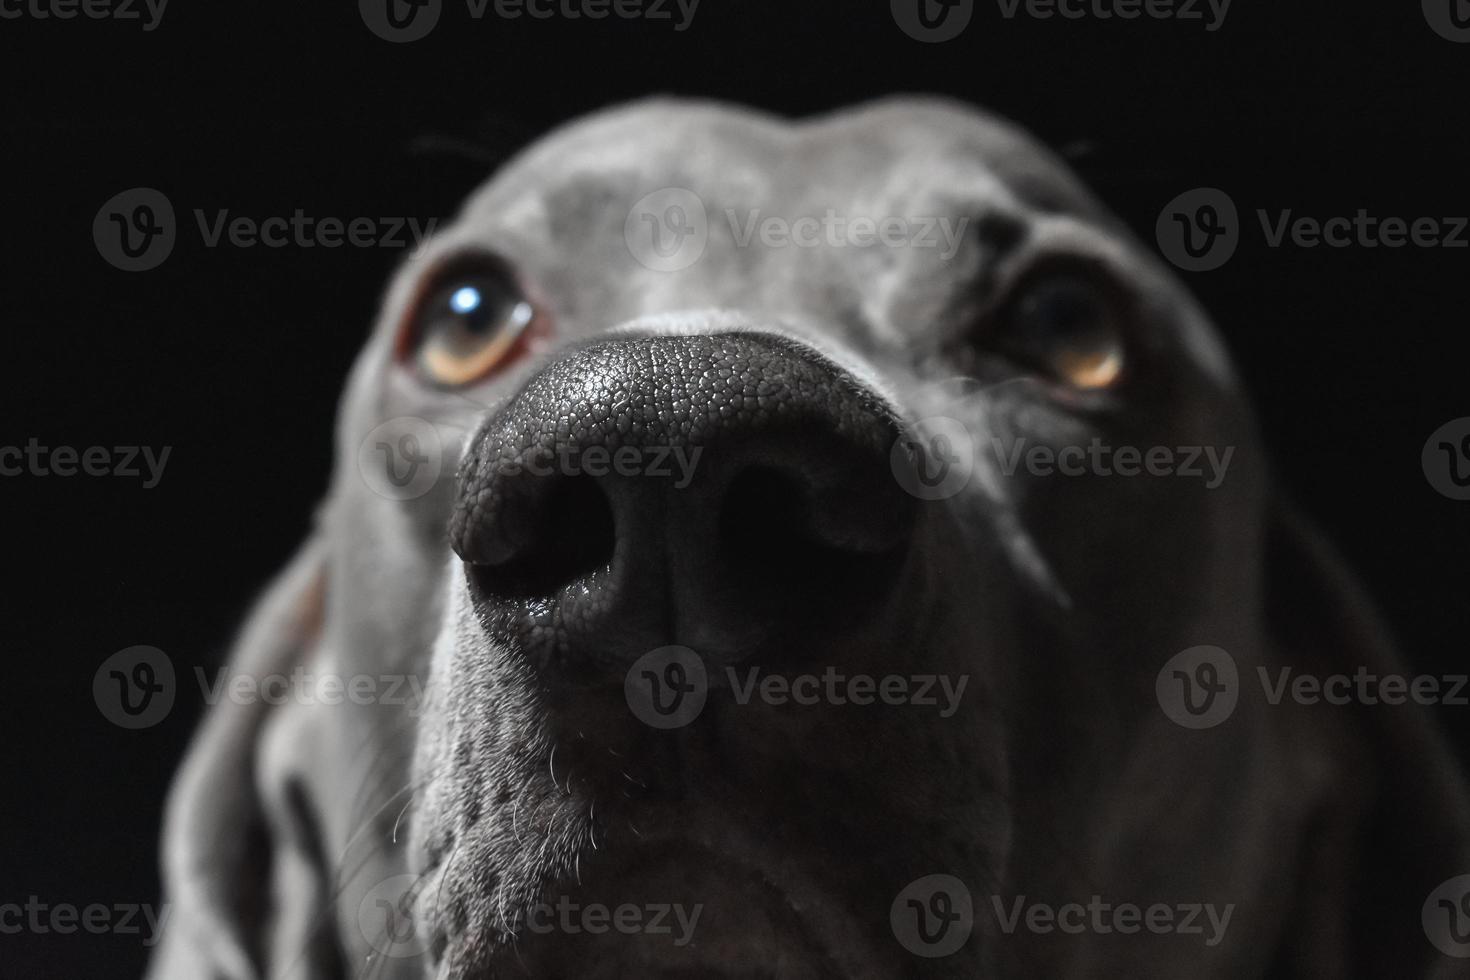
[729, 492]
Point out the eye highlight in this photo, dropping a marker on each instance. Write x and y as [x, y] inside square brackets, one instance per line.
[468, 322]
[1067, 325]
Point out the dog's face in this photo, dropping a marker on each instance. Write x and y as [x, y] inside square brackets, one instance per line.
[967, 441]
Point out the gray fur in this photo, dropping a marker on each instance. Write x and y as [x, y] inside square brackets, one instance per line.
[1058, 779]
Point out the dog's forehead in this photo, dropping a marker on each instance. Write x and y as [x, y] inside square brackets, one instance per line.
[902, 149]
[562, 206]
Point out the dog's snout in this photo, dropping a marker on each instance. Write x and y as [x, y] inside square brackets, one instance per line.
[684, 489]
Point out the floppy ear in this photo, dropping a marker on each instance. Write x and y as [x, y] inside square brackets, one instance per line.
[1365, 873]
[217, 845]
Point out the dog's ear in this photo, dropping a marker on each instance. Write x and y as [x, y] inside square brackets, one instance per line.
[217, 847]
[1363, 879]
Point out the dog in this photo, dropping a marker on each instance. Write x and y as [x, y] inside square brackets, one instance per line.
[793, 548]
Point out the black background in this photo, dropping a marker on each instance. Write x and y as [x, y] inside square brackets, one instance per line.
[235, 357]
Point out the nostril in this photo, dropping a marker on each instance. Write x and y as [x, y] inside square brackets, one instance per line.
[731, 491]
[775, 527]
[567, 533]
[764, 511]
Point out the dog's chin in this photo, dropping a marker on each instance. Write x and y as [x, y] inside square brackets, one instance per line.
[679, 909]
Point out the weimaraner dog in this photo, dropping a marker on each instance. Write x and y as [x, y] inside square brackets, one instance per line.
[819, 549]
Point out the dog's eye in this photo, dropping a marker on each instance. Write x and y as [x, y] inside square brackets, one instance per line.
[1069, 326]
[467, 324]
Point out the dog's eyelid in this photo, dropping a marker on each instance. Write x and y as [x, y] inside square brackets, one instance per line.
[469, 316]
[1066, 315]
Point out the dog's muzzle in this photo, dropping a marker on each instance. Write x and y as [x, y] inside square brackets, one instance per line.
[731, 496]
[728, 492]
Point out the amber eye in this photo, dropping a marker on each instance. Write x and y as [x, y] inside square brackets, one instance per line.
[1069, 326]
[469, 322]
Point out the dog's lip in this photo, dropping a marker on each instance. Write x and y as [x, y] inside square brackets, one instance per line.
[797, 927]
[835, 940]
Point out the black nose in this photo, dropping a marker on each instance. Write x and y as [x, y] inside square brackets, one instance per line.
[729, 492]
